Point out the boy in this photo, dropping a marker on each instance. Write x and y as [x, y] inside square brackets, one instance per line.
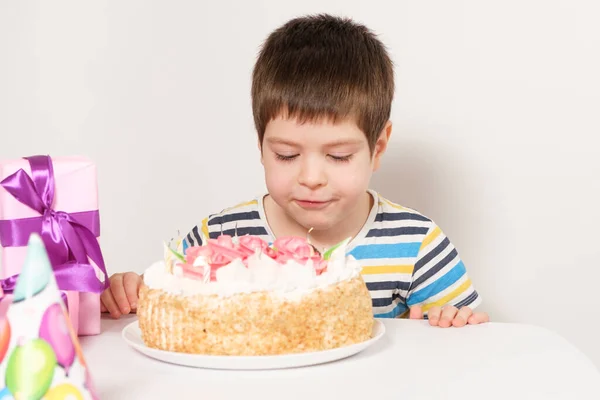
[322, 90]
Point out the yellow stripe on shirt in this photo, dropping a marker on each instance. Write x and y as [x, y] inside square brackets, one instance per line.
[394, 205]
[387, 269]
[453, 294]
[248, 203]
[205, 228]
[431, 237]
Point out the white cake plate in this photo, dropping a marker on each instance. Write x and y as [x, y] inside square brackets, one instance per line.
[132, 335]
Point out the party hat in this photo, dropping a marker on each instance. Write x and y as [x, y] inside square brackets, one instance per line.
[40, 355]
[36, 272]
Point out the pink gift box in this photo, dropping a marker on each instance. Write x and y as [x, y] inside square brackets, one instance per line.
[75, 190]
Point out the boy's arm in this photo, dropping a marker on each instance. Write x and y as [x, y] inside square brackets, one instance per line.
[439, 276]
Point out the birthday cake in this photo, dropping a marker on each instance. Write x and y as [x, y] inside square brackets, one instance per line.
[242, 296]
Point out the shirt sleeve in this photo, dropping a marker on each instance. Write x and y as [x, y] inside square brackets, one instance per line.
[196, 237]
[439, 276]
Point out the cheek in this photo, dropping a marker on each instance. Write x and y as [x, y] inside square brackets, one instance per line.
[351, 180]
[278, 178]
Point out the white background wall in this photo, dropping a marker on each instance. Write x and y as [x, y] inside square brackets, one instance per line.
[496, 127]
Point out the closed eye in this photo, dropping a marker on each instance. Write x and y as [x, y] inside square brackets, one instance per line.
[281, 157]
[341, 158]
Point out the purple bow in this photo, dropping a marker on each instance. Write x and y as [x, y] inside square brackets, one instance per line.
[8, 284]
[70, 238]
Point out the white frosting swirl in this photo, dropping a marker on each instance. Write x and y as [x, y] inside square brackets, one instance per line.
[262, 274]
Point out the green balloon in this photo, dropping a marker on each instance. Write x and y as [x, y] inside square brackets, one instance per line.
[30, 369]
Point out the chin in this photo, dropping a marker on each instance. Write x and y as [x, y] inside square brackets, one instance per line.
[316, 224]
[318, 220]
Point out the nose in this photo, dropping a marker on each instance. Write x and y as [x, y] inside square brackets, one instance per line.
[312, 174]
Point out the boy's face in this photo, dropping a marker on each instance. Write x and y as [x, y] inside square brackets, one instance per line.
[318, 173]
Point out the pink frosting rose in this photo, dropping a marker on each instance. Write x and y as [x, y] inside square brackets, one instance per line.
[218, 253]
[294, 247]
[189, 271]
[221, 251]
[250, 244]
[298, 249]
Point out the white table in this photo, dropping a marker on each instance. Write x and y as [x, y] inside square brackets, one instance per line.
[412, 361]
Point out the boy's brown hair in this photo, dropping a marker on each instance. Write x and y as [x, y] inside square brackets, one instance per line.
[323, 67]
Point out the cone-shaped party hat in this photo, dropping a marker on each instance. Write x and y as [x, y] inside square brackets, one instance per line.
[40, 356]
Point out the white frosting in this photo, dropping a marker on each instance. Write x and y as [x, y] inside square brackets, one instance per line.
[262, 274]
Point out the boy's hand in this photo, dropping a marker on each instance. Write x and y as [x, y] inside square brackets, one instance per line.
[450, 316]
[122, 295]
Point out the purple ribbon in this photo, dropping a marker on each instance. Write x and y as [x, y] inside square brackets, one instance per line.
[8, 286]
[70, 238]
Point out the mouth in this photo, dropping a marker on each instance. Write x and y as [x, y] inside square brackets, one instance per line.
[312, 204]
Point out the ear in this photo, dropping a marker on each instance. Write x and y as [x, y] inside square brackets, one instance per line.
[260, 151]
[381, 145]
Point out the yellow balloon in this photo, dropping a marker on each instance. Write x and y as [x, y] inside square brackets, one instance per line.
[64, 391]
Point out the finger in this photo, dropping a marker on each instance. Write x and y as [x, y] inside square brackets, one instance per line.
[478, 318]
[448, 314]
[462, 317]
[416, 312]
[102, 306]
[131, 284]
[434, 315]
[110, 304]
[118, 292]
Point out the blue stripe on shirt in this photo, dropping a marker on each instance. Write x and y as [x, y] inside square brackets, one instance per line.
[439, 285]
[395, 250]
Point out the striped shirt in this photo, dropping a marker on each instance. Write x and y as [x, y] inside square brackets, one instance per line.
[406, 259]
